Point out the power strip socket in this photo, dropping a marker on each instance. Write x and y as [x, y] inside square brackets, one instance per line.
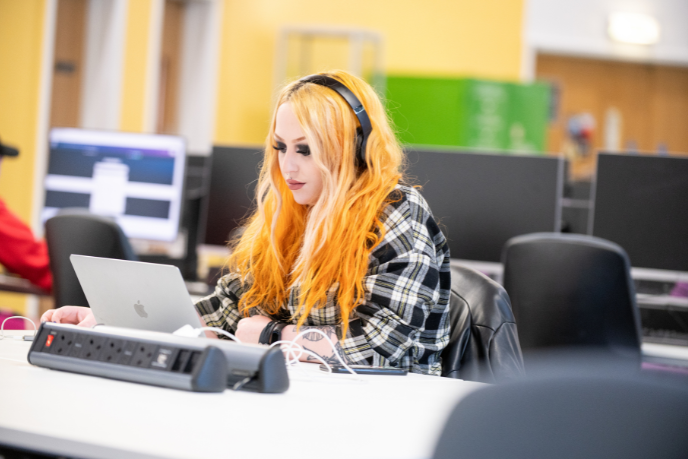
[195, 364]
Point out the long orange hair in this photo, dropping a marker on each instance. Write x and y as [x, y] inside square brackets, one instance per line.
[325, 246]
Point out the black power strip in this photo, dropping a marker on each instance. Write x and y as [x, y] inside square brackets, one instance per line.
[161, 359]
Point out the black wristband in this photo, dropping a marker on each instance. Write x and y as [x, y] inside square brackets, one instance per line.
[271, 333]
[266, 334]
[276, 334]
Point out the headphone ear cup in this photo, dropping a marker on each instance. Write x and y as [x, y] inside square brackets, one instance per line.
[359, 144]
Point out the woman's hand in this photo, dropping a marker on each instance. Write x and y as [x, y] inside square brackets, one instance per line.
[316, 342]
[248, 329]
[75, 315]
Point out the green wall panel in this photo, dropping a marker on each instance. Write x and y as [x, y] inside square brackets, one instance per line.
[424, 110]
[469, 113]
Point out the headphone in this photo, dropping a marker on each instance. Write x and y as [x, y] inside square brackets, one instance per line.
[366, 128]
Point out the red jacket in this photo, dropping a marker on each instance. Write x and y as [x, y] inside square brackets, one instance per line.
[20, 253]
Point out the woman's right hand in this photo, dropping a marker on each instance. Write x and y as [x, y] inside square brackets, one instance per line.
[75, 315]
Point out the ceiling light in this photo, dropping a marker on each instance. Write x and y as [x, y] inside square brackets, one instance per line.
[634, 28]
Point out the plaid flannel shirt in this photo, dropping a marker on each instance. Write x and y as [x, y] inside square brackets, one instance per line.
[404, 320]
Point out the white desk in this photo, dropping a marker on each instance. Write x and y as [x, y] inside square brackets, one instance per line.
[665, 354]
[329, 417]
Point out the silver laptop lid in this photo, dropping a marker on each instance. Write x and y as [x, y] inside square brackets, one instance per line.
[132, 294]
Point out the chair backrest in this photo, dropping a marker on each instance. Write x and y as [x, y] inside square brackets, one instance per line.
[571, 290]
[76, 231]
[483, 344]
[595, 417]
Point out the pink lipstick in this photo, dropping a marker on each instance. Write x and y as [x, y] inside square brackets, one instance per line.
[294, 185]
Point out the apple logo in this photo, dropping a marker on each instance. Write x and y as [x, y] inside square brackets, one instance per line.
[138, 307]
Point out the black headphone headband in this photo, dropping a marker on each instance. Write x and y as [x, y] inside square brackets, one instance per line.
[356, 106]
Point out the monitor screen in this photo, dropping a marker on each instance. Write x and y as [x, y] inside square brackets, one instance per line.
[482, 200]
[231, 197]
[641, 203]
[137, 179]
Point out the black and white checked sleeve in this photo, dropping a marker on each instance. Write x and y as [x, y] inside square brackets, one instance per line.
[220, 309]
[404, 321]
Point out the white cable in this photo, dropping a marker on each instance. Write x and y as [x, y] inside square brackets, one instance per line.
[2, 329]
[242, 383]
[293, 359]
[289, 346]
[320, 332]
[298, 365]
[334, 349]
[288, 349]
[219, 330]
[296, 358]
[189, 331]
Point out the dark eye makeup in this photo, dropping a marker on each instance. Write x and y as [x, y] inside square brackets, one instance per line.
[280, 147]
[303, 149]
[300, 148]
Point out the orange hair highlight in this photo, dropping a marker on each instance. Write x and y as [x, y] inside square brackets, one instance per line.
[328, 244]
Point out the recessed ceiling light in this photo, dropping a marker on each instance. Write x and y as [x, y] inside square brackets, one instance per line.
[634, 28]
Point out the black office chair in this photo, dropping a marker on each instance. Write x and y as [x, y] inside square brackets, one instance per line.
[571, 290]
[484, 340]
[76, 231]
[581, 415]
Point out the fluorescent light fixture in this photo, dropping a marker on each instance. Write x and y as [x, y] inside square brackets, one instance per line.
[634, 28]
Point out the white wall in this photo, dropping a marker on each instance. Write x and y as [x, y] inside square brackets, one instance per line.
[579, 27]
[103, 63]
[199, 73]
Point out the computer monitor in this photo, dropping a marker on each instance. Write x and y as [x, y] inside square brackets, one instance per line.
[231, 197]
[641, 203]
[481, 200]
[137, 179]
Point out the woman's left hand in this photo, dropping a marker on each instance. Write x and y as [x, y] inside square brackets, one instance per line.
[248, 329]
[75, 315]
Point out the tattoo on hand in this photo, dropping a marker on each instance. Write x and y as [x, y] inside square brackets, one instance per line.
[328, 330]
[331, 332]
[313, 336]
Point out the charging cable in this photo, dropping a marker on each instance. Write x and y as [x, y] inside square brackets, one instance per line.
[25, 337]
[219, 330]
[293, 350]
[294, 359]
[189, 331]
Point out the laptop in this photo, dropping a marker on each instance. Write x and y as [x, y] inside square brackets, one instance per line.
[133, 294]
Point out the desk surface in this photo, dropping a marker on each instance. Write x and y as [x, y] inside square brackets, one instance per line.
[19, 285]
[663, 354]
[320, 415]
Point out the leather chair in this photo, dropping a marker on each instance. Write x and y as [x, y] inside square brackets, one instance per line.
[578, 415]
[570, 291]
[483, 344]
[76, 231]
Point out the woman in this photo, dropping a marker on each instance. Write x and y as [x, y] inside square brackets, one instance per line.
[336, 243]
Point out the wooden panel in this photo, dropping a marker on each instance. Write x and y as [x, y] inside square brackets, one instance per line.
[170, 66]
[68, 65]
[670, 108]
[652, 101]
